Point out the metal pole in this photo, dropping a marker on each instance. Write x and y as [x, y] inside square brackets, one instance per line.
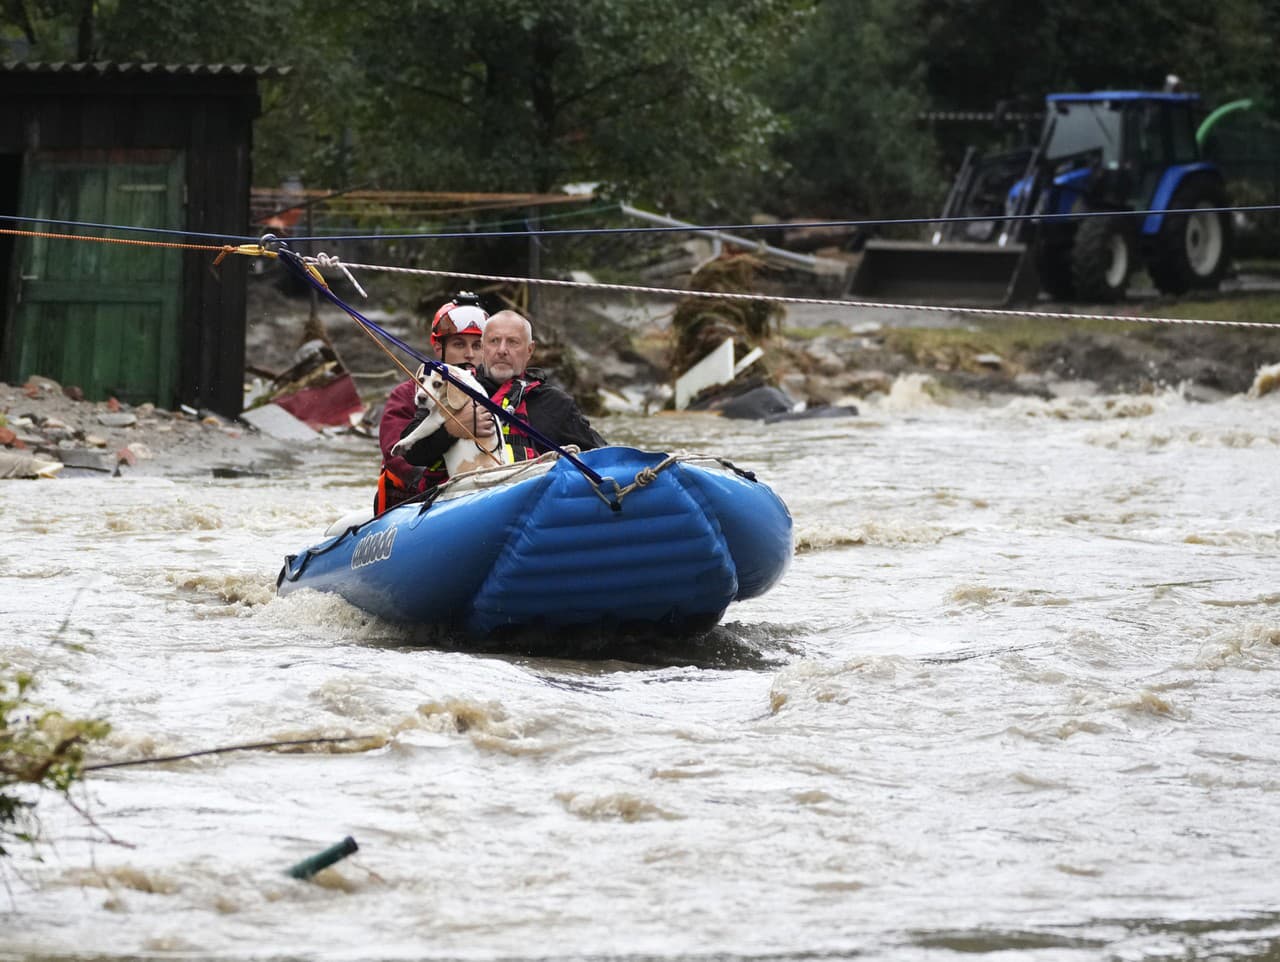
[533, 223]
[803, 260]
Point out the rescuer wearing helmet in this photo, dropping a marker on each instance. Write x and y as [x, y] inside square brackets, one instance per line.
[456, 331]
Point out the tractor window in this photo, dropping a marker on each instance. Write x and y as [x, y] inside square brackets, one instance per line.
[1185, 150]
[1147, 148]
[1082, 127]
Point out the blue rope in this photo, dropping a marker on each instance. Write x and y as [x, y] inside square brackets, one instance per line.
[893, 222]
[295, 264]
[693, 229]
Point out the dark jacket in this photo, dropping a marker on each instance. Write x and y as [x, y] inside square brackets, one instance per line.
[553, 413]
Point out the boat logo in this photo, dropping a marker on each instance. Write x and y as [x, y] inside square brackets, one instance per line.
[374, 547]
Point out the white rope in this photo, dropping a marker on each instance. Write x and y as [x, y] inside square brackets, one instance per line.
[325, 260]
[831, 301]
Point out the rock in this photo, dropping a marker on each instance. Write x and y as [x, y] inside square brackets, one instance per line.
[94, 441]
[42, 384]
[88, 460]
[274, 421]
[7, 437]
[73, 392]
[140, 451]
[118, 419]
[825, 411]
[758, 404]
[15, 465]
[989, 360]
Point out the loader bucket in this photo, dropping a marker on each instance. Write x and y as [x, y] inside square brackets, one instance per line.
[970, 275]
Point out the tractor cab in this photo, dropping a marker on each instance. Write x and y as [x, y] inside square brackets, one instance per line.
[1114, 147]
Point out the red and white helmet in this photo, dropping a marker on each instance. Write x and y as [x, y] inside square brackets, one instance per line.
[461, 315]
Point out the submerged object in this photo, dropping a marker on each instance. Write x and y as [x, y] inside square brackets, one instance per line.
[666, 541]
[321, 860]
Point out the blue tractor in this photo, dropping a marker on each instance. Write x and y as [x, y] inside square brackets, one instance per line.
[1100, 154]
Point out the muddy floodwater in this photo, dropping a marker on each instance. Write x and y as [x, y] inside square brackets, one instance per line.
[1018, 696]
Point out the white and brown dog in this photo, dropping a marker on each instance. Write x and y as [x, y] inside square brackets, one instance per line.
[443, 400]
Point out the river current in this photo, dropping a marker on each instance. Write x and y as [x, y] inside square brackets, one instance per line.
[1016, 697]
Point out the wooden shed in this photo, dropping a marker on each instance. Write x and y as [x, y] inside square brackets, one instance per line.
[139, 145]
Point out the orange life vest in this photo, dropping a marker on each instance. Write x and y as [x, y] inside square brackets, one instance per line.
[392, 489]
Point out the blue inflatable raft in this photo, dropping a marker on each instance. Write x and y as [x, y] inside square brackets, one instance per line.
[665, 542]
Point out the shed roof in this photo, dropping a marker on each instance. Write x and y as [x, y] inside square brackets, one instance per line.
[103, 68]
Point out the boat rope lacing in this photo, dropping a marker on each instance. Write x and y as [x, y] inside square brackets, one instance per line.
[334, 262]
[647, 475]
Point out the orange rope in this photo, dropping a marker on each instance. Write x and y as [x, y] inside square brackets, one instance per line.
[227, 248]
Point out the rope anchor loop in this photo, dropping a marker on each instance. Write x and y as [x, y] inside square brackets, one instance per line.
[643, 477]
[333, 260]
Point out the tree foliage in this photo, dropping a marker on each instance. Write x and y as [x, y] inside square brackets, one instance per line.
[981, 51]
[810, 104]
[851, 91]
[39, 749]
[648, 97]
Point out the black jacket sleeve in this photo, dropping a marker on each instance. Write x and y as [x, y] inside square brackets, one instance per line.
[555, 414]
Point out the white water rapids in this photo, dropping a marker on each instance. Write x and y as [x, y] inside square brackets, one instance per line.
[1016, 696]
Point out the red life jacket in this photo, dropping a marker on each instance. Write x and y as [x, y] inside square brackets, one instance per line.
[512, 396]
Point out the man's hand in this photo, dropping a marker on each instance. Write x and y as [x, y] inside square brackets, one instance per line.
[468, 422]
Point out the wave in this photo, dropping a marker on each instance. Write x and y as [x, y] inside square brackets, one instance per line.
[1251, 646]
[1265, 381]
[1251, 540]
[622, 806]
[181, 516]
[1108, 407]
[1151, 437]
[821, 534]
[811, 681]
[908, 392]
[983, 596]
[240, 589]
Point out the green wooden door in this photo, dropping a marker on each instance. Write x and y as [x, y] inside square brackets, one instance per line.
[101, 316]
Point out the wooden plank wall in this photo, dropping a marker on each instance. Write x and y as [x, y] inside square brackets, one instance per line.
[210, 117]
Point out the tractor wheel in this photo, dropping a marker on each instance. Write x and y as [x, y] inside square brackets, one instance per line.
[1101, 259]
[1192, 250]
[1053, 261]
